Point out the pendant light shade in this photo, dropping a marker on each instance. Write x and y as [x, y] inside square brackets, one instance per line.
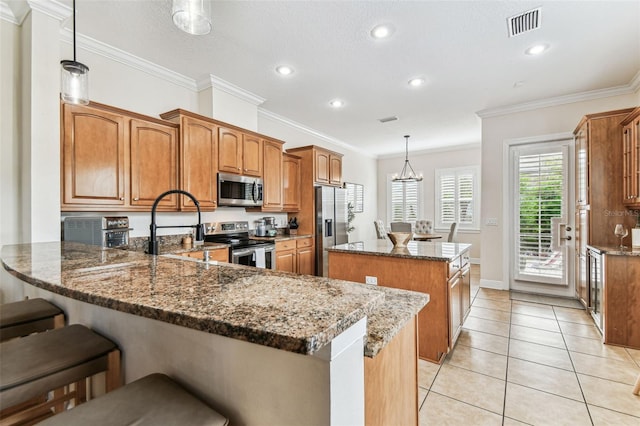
[192, 16]
[74, 76]
[407, 174]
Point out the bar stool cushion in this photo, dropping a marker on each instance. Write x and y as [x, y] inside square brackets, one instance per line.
[26, 317]
[41, 362]
[152, 400]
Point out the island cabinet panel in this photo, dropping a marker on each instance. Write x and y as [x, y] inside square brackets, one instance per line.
[199, 163]
[93, 157]
[409, 274]
[290, 183]
[621, 310]
[154, 150]
[230, 150]
[391, 381]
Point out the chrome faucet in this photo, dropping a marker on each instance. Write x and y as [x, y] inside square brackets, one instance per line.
[153, 243]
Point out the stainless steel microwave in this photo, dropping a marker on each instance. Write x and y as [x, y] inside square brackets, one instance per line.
[239, 191]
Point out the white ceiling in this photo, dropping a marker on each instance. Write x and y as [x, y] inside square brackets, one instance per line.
[461, 48]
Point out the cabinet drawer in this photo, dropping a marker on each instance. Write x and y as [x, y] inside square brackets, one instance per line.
[285, 245]
[454, 266]
[304, 242]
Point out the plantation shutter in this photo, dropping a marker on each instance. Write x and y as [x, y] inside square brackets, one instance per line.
[541, 188]
[448, 198]
[465, 198]
[404, 201]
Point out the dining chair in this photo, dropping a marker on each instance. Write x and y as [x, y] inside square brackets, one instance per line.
[400, 227]
[424, 226]
[636, 387]
[380, 231]
[453, 232]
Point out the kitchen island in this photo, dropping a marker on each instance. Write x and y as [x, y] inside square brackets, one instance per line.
[262, 347]
[439, 269]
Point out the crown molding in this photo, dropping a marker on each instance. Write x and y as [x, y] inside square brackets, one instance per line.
[301, 127]
[625, 89]
[51, 8]
[230, 88]
[16, 14]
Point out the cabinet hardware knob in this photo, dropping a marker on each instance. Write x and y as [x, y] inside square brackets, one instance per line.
[136, 199]
[121, 198]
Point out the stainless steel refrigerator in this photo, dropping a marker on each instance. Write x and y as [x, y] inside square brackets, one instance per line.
[331, 223]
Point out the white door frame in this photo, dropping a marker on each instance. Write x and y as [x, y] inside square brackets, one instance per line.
[507, 214]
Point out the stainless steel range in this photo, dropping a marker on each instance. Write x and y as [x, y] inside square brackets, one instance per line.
[243, 250]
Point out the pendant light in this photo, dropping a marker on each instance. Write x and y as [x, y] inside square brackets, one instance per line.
[74, 77]
[192, 16]
[407, 174]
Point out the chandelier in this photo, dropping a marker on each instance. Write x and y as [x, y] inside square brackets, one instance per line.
[407, 174]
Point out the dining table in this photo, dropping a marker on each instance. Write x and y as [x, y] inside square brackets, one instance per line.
[426, 237]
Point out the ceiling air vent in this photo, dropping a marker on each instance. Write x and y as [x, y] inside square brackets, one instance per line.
[524, 22]
[388, 119]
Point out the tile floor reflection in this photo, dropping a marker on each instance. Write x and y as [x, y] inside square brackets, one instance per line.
[518, 362]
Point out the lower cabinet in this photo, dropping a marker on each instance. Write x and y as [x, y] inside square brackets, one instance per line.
[295, 255]
[621, 301]
[219, 254]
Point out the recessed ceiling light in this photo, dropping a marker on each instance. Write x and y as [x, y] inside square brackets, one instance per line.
[284, 70]
[536, 49]
[381, 31]
[336, 103]
[518, 84]
[416, 82]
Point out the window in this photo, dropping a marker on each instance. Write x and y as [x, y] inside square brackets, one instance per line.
[405, 200]
[458, 197]
[355, 196]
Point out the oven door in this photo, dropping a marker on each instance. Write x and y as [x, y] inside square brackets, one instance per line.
[252, 257]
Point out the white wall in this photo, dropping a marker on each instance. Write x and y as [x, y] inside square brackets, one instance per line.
[426, 163]
[357, 167]
[495, 131]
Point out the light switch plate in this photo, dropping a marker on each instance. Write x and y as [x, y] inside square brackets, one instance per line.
[492, 221]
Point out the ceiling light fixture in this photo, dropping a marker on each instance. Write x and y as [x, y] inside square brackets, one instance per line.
[74, 78]
[381, 31]
[284, 70]
[537, 49]
[192, 16]
[336, 103]
[416, 82]
[407, 174]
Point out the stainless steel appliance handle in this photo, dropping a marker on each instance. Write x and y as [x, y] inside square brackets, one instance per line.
[240, 253]
[255, 191]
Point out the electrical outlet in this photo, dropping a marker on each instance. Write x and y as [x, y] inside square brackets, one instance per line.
[371, 280]
[492, 221]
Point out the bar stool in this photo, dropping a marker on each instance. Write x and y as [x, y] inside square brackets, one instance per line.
[35, 365]
[152, 400]
[636, 387]
[29, 316]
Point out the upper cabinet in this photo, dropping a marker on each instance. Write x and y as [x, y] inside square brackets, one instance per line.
[582, 162]
[239, 153]
[112, 159]
[327, 165]
[198, 159]
[290, 182]
[272, 190]
[631, 159]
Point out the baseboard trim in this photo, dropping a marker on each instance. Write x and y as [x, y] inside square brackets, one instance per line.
[474, 260]
[496, 285]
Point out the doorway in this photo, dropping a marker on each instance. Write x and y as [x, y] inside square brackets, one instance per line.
[541, 194]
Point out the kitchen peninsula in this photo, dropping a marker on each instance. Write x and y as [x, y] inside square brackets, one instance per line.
[439, 269]
[262, 347]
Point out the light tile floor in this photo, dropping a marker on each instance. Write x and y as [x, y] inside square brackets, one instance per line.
[518, 362]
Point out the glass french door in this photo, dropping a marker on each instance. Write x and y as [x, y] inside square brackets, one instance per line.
[542, 210]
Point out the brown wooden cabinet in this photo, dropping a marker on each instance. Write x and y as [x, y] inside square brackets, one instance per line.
[621, 304]
[327, 167]
[286, 255]
[217, 254]
[290, 182]
[239, 153]
[252, 153]
[116, 160]
[459, 295]
[272, 190]
[305, 256]
[631, 159]
[335, 169]
[198, 159]
[599, 186]
[295, 255]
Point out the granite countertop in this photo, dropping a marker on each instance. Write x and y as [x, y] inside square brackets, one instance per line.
[286, 311]
[615, 250]
[437, 251]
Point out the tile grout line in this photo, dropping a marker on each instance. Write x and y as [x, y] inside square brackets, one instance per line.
[575, 372]
[506, 371]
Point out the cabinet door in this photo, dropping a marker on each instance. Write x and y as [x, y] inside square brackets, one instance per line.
[251, 155]
[628, 171]
[272, 190]
[455, 308]
[635, 144]
[322, 166]
[199, 164]
[229, 150]
[290, 183]
[154, 160]
[582, 166]
[93, 168]
[465, 293]
[286, 260]
[305, 261]
[335, 170]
